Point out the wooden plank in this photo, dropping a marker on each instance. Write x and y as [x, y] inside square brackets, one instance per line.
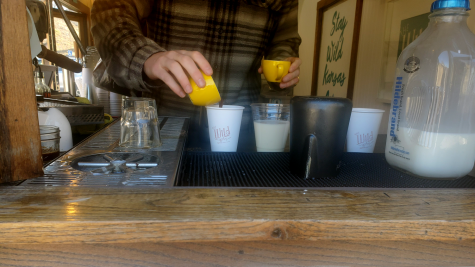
[231, 230]
[109, 215]
[280, 253]
[20, 147]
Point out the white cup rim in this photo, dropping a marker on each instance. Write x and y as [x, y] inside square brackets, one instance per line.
[225, 107]
[367, 110]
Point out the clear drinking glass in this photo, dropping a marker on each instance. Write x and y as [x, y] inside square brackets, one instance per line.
[139, 124]
[271, 126]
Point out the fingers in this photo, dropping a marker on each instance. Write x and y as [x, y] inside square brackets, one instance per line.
[173, 68]
[288, 84]
[187, 63]
[296, 62]
[200, 60]
[260, 70]
[170, 81]
[177, 70]
[157, 67]
[291, 75]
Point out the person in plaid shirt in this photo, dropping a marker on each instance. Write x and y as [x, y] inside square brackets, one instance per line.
[150, 46]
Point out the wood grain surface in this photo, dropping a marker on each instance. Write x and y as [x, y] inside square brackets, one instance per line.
[277, 253]
[20, 156]
[127, 215]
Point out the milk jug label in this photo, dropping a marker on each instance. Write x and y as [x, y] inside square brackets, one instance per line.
[397, 148]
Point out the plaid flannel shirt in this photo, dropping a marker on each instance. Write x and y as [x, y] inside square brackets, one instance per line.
[233, 35]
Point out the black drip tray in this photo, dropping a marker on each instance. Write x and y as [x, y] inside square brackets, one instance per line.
[272, 170]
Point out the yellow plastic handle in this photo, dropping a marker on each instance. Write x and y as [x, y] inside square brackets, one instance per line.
[280, 72]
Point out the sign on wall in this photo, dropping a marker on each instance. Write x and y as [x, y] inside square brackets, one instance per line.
[410, 29]
[338, 24]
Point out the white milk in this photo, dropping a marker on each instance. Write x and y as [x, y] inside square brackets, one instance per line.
[428, 154]
[271, 135]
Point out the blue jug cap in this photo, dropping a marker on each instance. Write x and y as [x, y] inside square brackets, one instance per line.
[440, 4]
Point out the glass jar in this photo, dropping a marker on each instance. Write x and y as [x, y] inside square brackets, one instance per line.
[50, 137]
[40, 86]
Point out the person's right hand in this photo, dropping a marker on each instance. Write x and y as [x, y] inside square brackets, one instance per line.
[172, 68]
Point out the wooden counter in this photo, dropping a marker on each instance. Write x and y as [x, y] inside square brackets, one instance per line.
[238, 227]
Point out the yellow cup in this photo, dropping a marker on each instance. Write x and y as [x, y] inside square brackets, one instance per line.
[274, 70]
[204, 96]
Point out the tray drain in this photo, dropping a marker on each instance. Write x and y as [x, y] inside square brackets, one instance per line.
[113, 163]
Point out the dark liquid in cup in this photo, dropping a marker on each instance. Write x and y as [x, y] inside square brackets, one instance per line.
[50, 156]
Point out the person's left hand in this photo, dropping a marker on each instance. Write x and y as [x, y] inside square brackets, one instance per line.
[292, 77]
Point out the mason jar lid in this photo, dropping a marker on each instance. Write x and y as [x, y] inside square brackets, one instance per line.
[48, 129]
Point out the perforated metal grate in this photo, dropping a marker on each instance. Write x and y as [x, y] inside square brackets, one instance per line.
[85, 118]
[272, 170]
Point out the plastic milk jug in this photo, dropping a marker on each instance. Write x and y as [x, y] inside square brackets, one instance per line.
[431, 131]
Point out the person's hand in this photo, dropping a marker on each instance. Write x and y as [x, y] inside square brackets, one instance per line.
[172, 68]
[292, 77]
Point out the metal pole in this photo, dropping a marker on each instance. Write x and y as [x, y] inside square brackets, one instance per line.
[72, 83]
[52, 41]
[52, 37]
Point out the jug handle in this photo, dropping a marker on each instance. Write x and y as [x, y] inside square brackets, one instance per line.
[310, 153]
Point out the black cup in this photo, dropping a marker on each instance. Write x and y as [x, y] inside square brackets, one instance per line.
[318, 127]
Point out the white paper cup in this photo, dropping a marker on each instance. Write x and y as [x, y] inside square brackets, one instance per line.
[363, 129]
[224, 126]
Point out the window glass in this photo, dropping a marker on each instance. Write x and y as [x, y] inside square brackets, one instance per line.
[64, 40]
[65, 45]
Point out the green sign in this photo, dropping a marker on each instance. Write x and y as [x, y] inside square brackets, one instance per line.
[335, 51]
[411, 28]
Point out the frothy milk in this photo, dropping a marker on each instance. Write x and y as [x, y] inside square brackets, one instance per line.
[271, 135]
[429, 154]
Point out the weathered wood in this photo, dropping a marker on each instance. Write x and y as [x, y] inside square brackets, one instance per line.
[20, 147]
[277, 253]
[111, 215]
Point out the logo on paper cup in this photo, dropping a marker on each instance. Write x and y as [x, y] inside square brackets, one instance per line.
[364, 140]
[222, 135]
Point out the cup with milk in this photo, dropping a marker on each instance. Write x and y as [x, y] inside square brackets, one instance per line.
[271, 126]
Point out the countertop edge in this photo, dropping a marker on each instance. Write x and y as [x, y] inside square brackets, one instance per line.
[110, 215]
